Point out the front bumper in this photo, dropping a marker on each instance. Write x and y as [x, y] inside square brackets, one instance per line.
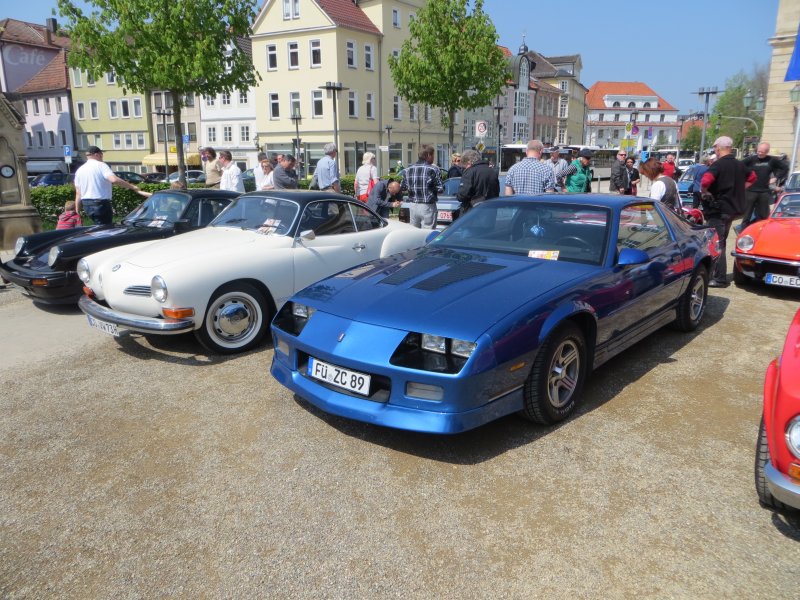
[134, 322]
[781, 487]
[757, 266]
[51, 287]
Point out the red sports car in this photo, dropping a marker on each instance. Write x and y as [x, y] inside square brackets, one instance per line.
[777, 467]
[769, 250]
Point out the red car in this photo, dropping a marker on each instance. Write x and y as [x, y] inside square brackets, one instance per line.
[769, 250]
[777, 469]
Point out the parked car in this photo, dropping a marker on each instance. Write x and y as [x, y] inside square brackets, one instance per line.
[154, 177]
[792, 183]
[192, 176]
[31, 179]
[447, 205]
[130, 176]
[44, 265]
[685, 163]
[507, 310]
[225, 282]
[53, 178]
[769, 250]
[686, 186]
[777, 464]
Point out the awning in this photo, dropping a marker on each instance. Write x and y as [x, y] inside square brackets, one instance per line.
[157, 159]
[48, 166]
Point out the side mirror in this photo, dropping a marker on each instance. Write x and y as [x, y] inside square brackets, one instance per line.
[182, 225]
[308, 234]
[632, 256]
[432, 236]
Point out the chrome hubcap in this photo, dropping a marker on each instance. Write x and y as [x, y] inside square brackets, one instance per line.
[234, 318]
[563, 375]
[697, 299]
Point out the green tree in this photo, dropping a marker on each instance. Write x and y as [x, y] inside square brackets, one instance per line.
[176, 45]
[729, 112]
[691, 141]
[450, 59]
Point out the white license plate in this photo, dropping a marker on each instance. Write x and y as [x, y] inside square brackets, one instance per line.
[784, 280]
[445, 215]
[109, 328]
[344, 378]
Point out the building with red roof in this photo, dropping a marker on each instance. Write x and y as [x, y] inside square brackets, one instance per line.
[630, 114]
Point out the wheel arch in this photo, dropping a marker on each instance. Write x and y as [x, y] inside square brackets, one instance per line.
[258, 284]
[580, 315]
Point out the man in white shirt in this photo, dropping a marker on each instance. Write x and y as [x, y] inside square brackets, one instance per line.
[258, 172]
[93, 181]
[231, 174]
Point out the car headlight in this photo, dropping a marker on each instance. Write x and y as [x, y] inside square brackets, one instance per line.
[434, 343]
[793, 436]
[462, 348]
[53, 255]
[84, 271]
[302, 311]
[158, 289]
[745, 243]
[19, 245]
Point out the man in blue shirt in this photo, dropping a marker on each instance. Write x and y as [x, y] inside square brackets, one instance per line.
[328, 170]
[530, 176]
[698, 172]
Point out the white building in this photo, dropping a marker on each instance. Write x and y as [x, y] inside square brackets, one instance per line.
[618, 111]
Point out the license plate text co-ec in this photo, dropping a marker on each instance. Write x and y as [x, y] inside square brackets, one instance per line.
[784, 280]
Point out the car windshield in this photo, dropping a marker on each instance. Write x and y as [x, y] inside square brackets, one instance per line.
[543, 230]
[793, 183]
[688, 174]
[271, 216]
[161, 209]
[788, 207]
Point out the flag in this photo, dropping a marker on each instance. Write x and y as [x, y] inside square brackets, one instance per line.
[793, 72]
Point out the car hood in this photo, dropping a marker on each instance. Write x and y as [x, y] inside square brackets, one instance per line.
[441, 291]
[91, 240]
[776, 237]
[190, 246]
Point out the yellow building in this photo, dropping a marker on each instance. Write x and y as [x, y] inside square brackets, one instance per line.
[564, 72]
[109, 118]
[324, 62]
[781, 114]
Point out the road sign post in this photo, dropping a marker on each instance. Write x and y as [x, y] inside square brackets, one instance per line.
[481, 129]
[68, 155]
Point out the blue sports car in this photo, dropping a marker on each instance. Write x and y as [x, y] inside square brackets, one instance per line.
[508, 310]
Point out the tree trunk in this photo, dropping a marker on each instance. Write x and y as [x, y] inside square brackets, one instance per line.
[451, 115]
[176, 112]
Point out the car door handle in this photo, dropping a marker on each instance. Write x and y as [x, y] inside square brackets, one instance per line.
[359, 246]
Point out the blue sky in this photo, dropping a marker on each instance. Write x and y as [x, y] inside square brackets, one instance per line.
[674, 46]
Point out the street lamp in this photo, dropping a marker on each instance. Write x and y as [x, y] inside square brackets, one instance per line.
[164, 114]
[388, 129]
[297, 119]
[498, 107]
[707, 92]
[747, 101]
[335, 87]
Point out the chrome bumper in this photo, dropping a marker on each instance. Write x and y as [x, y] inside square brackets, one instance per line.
[134, 322]
[781, 487]
[759, 259]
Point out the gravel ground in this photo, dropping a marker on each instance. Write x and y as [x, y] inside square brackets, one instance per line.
[140, 468]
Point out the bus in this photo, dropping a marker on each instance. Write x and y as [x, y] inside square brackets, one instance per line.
[602, 158]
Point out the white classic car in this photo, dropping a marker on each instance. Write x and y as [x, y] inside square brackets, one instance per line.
[226, 281]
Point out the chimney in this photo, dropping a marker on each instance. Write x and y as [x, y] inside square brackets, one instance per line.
[51, 25]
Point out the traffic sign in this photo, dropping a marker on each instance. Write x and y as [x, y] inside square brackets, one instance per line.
[481, 128]
[383, 148]
[67, 150]
[185, 139]
[480, 147]
[635, 130]
[628, 127]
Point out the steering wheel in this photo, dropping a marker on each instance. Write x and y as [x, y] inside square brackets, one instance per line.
[573, 240]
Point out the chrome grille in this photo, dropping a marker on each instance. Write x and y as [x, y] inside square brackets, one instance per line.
[137, 290]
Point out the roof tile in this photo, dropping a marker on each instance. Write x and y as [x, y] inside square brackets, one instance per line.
[52, 77]
[344, 13]
[601, 89]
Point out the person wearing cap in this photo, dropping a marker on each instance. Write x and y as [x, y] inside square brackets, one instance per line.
[327, 170]
[211, 167]
[578, 175]
[530, 175]
[723, 197]
[93, 181]
[557, 164]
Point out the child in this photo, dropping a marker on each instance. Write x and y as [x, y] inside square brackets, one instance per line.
[69, 218]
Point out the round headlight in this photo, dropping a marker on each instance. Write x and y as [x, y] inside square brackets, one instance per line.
[19, 245]
[84, 272]
[53, 255]
[793, 436]
[745, 243]
[158, 289]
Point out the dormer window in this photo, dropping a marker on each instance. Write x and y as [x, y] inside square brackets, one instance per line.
[631, 104]
[615, 105]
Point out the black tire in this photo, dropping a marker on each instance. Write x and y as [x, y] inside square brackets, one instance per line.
[739, 278]
[236, 319]
[762, 458]
[692, 305]
[562, 358]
